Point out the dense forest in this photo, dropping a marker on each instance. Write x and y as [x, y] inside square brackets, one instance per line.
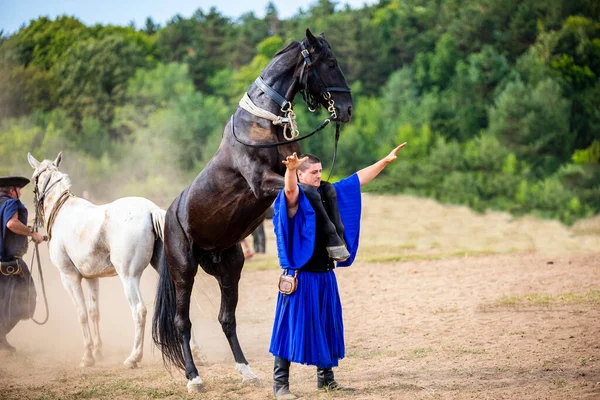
[499, 100]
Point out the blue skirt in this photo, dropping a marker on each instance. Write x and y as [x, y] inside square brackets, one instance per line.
[308, 327]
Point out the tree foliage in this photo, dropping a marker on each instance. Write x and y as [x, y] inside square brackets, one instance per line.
[497, 99]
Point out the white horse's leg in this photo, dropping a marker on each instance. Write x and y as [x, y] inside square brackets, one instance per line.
[138, 313]
[72, 282]
[94, 316]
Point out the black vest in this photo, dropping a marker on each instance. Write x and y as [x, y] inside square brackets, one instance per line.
[13, 244]
[320, 261]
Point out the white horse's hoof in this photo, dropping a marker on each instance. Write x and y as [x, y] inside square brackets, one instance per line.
[130, 364]
[87, 362]
[98, 355]
[195, 385]
[247, 375]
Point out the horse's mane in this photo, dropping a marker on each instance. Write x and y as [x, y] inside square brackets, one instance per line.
[296, 44]
[65, 181]
[287, 48]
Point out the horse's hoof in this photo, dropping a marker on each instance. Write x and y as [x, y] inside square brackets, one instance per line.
[195, 385]
[338, 253]
[248, 376]
[130, 364]
[98, 355]
[87, 362]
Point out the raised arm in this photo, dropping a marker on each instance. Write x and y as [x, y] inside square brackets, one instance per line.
[367, 174]
[291, 183]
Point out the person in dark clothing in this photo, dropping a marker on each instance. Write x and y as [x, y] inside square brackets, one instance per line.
[17, 291]
[308, 326]
[258, 239]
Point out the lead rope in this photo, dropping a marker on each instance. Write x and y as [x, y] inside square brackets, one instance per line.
[335, 145]
[36, 254]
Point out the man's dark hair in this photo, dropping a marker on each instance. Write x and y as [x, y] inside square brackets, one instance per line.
[312, 159]
[5, 189]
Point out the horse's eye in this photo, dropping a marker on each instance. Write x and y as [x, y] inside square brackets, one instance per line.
[332, 64]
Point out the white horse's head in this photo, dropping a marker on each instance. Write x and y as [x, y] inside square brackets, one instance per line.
[48, 181]
[46, 173]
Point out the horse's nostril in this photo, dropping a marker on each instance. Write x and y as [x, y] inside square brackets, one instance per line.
[349, 111]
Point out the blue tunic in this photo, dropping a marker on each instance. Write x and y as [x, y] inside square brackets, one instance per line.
[308, 326]
[296, 236]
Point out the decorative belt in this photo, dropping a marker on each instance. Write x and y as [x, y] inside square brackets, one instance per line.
[12, 267]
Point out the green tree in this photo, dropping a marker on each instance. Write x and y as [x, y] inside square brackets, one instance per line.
[93, 77]
[534, 122]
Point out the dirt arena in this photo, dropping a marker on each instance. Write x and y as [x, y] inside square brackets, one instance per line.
[443, 303]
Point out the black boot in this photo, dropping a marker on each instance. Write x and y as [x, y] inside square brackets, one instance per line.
[281, 375]
[326, 381]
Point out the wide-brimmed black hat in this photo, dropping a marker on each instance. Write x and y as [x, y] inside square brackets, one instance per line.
[16, 181]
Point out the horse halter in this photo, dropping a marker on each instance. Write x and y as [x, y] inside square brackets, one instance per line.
[287, 106]
[311, 101]
[40, 195]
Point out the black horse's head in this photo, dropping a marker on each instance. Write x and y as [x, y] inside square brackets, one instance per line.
[323, 79]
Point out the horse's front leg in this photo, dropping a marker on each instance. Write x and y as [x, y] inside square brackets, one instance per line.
[332, 223]
[336, 247]
[94, 316]
[329, 196]
[228, 273]
[72, 283]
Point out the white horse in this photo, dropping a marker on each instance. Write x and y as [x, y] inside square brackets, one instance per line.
[88, 242]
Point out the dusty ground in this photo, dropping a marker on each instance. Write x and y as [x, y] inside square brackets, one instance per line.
[442, 303]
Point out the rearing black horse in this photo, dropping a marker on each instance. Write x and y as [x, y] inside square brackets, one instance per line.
[231, 195]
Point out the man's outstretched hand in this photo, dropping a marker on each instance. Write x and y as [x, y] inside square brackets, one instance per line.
[292, 162]
[393, 155]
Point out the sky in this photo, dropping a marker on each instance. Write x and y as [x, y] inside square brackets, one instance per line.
[15, 13]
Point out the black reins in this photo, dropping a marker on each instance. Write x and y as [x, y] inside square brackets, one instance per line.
[270, 145]
[310, 100]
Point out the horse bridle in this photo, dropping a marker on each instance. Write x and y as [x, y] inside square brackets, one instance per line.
[312, 103]
[40, 195]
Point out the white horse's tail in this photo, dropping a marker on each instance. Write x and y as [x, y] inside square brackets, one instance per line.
[158, 222]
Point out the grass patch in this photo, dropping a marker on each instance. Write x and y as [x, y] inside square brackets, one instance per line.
[583, 361]
[544, 300]
[421, 352]
[561, 383]
[437, 256]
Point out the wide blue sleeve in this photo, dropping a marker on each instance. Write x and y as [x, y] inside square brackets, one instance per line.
[295, 236]
[350, 205]
[7, 210]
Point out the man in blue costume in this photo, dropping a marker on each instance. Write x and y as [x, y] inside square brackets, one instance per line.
[308, 327]
[17, 291]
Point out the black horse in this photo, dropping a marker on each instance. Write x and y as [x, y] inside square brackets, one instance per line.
[231, 195]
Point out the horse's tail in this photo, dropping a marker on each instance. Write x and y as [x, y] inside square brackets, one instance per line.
[164, 332]
[158, 225]
[158, 222]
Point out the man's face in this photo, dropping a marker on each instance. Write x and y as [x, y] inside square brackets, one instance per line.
[15, 193]
[311, 175]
